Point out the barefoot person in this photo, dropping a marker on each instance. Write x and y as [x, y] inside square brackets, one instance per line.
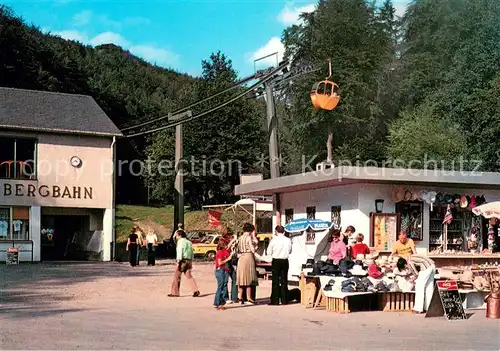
[184, 264]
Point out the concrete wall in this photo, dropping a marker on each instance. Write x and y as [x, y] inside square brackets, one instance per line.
[324, 199]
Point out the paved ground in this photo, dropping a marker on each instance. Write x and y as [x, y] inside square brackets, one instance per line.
[114, 306]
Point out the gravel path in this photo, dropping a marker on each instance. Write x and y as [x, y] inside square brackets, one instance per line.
[113, 306]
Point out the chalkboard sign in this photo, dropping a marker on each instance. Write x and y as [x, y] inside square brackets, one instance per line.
[12, 255]
[449, 304]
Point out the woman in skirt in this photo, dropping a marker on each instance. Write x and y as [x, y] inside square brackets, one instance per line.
[246, 274]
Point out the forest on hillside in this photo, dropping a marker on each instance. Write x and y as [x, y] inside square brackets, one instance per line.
[424, 87]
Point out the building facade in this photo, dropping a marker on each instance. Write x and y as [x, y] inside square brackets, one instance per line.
[57, 154]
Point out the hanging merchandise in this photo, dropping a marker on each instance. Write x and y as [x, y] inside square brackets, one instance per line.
[491, 238]
[448, 217]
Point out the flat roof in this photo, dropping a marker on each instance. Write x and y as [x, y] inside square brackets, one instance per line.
[352, 175]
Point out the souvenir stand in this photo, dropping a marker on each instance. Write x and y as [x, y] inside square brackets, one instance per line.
[309, 243]
[463, 235]
[352, 285]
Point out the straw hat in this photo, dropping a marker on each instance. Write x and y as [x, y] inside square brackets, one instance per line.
[357, 270]
[414, 196]
[400, 196]
[368, 262]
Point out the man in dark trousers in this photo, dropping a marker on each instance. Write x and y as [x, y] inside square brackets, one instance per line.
[279, 249]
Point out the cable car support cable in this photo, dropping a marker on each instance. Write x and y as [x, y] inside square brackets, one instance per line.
[187, 119]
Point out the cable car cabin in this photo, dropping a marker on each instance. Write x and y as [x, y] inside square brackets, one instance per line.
[325, 95]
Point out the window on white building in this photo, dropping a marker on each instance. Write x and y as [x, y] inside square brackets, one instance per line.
[311, 212]
[288, 215]
[14, 223]
[335, 216]
[17, 158]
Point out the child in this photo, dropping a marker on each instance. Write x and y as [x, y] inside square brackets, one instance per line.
[222, 257]
[359, 248]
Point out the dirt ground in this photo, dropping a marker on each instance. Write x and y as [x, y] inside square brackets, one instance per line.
[110, 306]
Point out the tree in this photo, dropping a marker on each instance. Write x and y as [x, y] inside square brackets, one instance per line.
[420, 139]
[359, 42]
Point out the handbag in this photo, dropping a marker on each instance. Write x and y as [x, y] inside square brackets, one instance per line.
[234, 260]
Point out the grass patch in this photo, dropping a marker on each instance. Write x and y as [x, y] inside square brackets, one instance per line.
[127, 216]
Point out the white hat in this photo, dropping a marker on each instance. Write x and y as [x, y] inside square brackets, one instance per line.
[358, 270]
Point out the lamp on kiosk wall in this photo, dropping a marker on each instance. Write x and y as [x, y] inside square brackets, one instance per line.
[379, 205]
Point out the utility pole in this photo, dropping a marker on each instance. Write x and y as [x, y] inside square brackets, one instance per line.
[179, 172]
[274, 157]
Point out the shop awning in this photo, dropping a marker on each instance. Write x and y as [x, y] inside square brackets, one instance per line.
[350, 175]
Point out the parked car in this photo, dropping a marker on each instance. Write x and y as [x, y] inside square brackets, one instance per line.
[207, 246]
[197, 236]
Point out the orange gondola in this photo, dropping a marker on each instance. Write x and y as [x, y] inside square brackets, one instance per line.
[325, 95]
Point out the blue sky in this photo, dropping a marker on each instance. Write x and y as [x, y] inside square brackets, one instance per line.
[173, 33]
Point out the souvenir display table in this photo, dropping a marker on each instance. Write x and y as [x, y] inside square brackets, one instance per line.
[473, 288]
[397, 301]
[463, 259]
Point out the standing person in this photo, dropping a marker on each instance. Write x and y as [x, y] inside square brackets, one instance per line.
[338, 249]
[184, 265]
[222, 257]
[231, 241]
[246, 274]
[151, 242]
[348, 236]
[140, 241]
[404, 247]
[132, 247]
[279, 249]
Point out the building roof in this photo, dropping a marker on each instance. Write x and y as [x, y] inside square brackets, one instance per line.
[53, 112]
[349, 175]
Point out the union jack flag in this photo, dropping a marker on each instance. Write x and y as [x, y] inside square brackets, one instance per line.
[448, 217]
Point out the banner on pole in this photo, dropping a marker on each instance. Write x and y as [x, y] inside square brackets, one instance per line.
[214, 218]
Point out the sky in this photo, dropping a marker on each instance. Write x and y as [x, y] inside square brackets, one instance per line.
[175, 34]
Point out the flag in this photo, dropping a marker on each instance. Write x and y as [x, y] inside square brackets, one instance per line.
[448, 216]
[214, 218]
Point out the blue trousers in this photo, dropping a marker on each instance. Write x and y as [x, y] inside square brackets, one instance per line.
[222, 278]
[234, 287]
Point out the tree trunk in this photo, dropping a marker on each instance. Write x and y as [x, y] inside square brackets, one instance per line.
[329, 147]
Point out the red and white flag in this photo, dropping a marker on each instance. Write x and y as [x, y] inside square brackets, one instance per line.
[214, 218]
[448, 217]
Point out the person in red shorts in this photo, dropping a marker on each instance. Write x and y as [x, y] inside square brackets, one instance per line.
[359, 248]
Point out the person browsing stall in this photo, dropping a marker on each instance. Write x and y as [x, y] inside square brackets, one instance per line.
[338, 250]
[359, 248]
[279, 249]
[404, 247]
